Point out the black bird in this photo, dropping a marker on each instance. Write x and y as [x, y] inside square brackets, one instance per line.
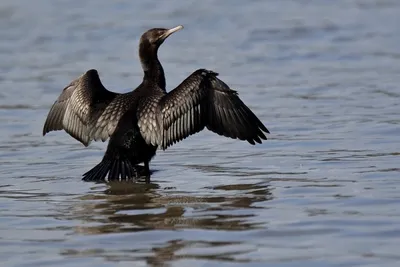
[148, 118]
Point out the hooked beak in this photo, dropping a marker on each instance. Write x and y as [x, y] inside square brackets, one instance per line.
[170, 31]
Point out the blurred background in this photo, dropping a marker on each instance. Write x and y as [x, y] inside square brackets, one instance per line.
[322, 191]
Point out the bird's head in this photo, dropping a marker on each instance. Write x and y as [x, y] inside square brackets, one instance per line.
[153, 38]
[148, 49]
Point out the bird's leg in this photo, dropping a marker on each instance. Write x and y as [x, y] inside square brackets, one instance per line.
[136, 172]
[140, 171]
[147, 172]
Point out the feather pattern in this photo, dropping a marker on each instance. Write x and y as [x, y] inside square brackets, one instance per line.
[87, 110]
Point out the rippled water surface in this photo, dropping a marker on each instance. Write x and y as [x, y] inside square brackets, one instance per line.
[322, 191]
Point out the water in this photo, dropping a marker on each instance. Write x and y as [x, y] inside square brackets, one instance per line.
[323, 191]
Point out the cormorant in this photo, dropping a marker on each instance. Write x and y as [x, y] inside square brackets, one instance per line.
[147, 118]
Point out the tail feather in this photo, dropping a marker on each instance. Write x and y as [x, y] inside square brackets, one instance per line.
[117, 170]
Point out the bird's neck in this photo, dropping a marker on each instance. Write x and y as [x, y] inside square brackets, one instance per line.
[152, 68]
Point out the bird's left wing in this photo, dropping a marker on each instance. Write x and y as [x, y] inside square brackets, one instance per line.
[203, 100]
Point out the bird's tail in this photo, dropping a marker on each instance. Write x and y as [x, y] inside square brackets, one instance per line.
[113, 170]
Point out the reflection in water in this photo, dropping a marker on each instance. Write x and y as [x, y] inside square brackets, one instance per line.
[135, 207]
[171, 251]
[127, 207]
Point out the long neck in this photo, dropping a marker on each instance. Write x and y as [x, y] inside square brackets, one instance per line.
[153, 70]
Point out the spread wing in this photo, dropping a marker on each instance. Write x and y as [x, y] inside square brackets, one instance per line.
[203, 100]
[86, 109]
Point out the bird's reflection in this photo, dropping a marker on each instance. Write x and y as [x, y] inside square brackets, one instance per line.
[133, 207]
[169, 252]
[123, 208]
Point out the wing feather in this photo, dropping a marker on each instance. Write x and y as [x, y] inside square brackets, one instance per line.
[148, 118]
[203, 100]
[87, 110]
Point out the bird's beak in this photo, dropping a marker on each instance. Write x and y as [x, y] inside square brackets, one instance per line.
[170, 31]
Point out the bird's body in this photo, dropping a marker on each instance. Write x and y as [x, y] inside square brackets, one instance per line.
[148, 118]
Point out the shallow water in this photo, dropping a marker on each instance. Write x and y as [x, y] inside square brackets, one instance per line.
[323, 191]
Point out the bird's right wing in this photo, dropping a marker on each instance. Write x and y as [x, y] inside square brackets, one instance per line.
[203, 100]
[86, 109]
